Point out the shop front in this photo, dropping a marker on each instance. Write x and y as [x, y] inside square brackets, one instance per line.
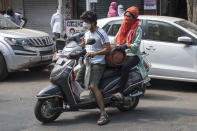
[39, 12]
[102, 6]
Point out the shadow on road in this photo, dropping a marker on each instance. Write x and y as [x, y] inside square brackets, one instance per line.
[158, 97]
[173, 85]
[140, 115]
[24, 76]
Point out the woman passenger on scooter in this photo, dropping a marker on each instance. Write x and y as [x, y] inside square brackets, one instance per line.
[129, 38]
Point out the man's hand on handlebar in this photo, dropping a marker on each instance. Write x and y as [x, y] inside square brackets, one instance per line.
[90, 54]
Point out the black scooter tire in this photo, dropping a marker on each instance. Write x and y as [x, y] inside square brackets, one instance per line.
[40, 116]
[123, 108]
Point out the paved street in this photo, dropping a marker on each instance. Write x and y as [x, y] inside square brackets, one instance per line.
[166, 106]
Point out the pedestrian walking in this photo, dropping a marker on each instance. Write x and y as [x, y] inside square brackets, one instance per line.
[113, 10]
[121, 10]
[56, 24]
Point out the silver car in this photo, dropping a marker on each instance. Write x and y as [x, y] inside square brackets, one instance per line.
[170, 42]
[23, 48]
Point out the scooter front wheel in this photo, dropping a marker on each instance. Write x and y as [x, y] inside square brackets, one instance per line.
[45, 110]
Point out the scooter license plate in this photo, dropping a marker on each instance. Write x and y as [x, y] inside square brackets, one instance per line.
[45, 58]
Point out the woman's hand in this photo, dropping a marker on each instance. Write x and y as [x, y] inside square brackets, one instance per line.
[130, 47]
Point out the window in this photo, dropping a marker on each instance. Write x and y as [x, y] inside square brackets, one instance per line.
[106, 27]
[114, 29]
[6, 23]
[3, 23]
[161, 31]
[188, 25]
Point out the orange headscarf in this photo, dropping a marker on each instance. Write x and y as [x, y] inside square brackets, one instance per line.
[128, 27]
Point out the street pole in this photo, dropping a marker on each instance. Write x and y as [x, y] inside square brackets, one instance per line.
[60, 7]
[160, 7]
[88, 5]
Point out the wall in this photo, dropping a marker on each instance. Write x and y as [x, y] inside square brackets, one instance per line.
[4, 4]
[17, 6]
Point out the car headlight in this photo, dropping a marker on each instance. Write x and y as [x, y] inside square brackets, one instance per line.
[17, 41]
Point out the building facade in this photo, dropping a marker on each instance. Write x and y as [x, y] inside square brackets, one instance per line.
[39, 12]
[102, 6]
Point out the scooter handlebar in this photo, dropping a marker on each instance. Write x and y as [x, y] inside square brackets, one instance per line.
[77, 55]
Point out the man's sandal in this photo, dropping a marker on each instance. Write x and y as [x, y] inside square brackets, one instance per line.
[104, 119]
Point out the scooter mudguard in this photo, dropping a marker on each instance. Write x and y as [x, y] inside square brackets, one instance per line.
[49, 92]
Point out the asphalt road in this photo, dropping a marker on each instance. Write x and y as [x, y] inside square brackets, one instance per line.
[166, 106]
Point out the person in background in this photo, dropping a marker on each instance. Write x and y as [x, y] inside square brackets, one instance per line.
[121, 10]
[56, 24]
[3, 12]
[71, 31]
[129, 38]
[113, 10]
[17, 18]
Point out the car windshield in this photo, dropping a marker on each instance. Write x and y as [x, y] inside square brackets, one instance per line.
[188, 25]
[7, 24]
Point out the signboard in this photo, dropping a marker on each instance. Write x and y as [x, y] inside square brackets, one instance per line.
[150, 5]
[93, 1]
[73, 26]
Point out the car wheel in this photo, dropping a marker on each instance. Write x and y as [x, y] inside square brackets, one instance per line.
[3, 68]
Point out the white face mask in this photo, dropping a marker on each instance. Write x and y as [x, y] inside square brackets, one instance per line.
[58, 11]
[86, 26]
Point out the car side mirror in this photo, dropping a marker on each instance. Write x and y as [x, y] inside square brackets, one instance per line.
[185, 39]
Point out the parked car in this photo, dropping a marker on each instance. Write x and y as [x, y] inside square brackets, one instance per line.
[170, 42]
[23, 48]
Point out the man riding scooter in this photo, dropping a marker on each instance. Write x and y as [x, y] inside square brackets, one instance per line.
[60, 96]
[97, 53]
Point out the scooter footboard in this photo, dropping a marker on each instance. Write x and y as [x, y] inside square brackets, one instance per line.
[49, 92]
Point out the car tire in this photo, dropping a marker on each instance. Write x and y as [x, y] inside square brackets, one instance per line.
[3, 68]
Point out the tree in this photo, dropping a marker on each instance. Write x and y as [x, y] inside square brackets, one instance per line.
[192, 10]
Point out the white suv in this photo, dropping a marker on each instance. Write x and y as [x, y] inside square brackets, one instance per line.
[23, 48]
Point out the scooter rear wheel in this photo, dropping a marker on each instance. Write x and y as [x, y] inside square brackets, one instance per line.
[131, 106]
[44, 110]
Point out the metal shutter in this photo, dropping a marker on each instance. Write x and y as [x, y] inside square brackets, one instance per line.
[102, 6]
[39, 12]
[81, 4]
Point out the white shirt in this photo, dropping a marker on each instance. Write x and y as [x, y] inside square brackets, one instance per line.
[121, 10]
[16, 18]
[100, 37]
[56, 22]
